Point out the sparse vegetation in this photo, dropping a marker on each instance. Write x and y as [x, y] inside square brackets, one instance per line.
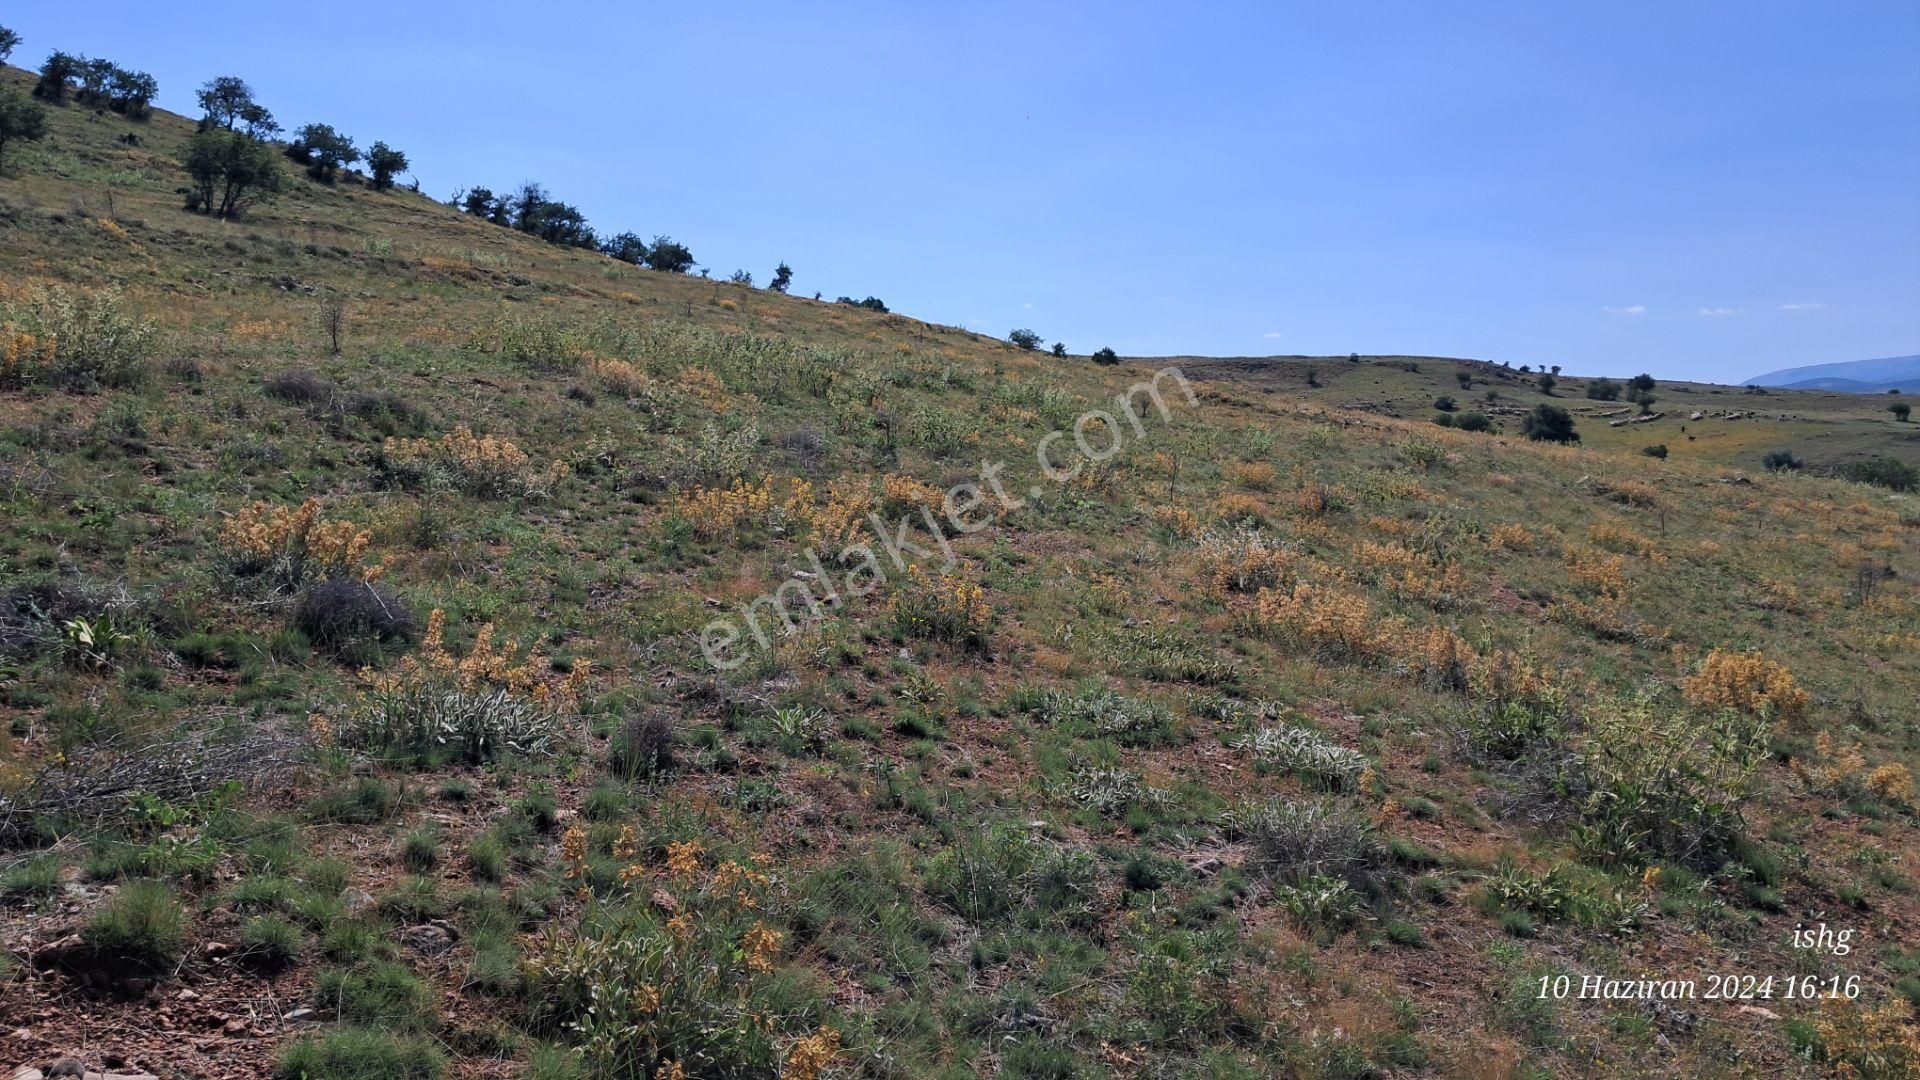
[364, 671]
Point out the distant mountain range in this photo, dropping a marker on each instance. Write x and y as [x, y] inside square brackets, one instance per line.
[1900, 373]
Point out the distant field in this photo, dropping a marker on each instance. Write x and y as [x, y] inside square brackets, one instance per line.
[1824, 428]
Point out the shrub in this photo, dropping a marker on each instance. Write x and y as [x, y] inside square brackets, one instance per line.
[1307, 753]
[366, 801]
[298, 387]
[1024, 339]
[340, 612]
[1445, 404]
[144, 923]
[36, 878]
[1603, 389]
[1245, 561]
[382, 994]
[436, 706]
[487, 857]
[1108, 714]
[1549, 423]
[1662, 783]
[1297, 841]
[944, 607]
[1747, 682]
[1106, 356]
[20, 119]
[644, 745]
[1883, 472]
[271, 941]
[1325, 620]
[1657, 450]
[641, 996]
[76, 341]
[1867, 1043]
[463, 461]
[354, 1053]
[287, 547]
[1781, 461]
[1473, 421]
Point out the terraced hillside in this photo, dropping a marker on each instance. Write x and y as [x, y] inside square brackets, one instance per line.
[380, 597]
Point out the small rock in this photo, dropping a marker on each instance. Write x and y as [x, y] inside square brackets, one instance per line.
[300, 1015]
[186, 995]
[431, 939]
[236, 1026]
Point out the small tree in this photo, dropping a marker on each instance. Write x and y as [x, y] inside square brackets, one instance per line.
[322, 150]
[1900, 410]
[57, 76]
[1549, 423]
[131, 93]
[1556, 369]
[9, 41]
[871, 303]
[782, 278]
[20, 120]
[669, 255]
[1642, 382]
[627, 246]
[333, 321]
[230, 172]
[224, 100]
[385, 162]
[1781, 461]
[1025, 339]
[1106, 356]
[1547, 382]
[1445, 403]
[1644, 399]
[740, 277]
[1603, 389]
[1465, 379]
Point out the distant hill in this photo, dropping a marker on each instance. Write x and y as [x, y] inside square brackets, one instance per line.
[1853, 377]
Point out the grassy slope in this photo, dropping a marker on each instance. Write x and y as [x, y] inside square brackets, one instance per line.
[1171, 956]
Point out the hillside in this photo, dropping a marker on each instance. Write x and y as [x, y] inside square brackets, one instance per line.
[366, 566]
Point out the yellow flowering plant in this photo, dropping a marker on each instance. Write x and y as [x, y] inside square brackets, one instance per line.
[436, 706]
[461, 460]
[290, 546]
[677, 981]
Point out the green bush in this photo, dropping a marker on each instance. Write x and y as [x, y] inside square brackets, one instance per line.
[382, 994]
[271, 940]
[359, 1054]
[144, 922]
[1883, 472]
[84, 341]
[34, 878]
[1108, 714]
[1549, 423]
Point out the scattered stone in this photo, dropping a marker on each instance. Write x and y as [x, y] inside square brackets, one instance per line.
[429, 939]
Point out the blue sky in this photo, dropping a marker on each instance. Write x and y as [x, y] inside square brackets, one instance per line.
[1704, 190]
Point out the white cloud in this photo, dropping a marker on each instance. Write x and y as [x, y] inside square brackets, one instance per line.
[1273, 335]
[1717, 311]
[1630, 309]
[1803, 305]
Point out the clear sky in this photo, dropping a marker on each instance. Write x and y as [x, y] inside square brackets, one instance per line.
[1709, 190]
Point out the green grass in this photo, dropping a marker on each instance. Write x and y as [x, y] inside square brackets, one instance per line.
[1069, 778]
